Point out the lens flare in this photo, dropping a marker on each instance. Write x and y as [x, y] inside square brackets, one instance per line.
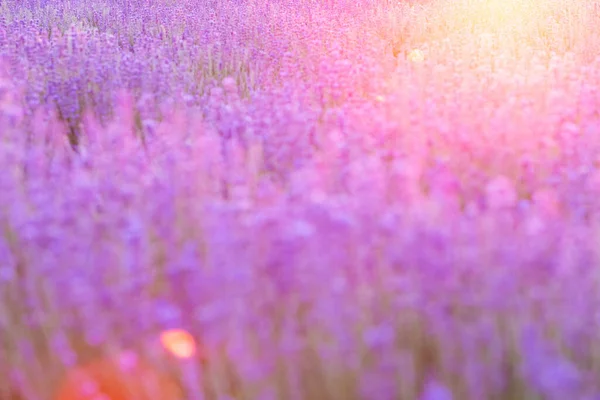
[179, 343]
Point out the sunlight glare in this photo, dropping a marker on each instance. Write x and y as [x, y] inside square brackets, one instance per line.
[179, 343]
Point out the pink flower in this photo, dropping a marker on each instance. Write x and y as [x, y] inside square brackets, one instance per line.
[546, 203]
[500, 193]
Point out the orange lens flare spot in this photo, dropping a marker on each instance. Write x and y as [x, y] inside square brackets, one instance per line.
[179, 343]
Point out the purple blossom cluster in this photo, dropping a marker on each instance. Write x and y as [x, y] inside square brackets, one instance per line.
[328, 216]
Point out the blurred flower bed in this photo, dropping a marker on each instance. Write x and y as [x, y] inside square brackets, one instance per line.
[313, 199]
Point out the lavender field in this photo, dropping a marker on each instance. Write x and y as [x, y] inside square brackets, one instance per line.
[299, 200]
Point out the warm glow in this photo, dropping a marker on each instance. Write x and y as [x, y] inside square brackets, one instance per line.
[179, 343]
[519, 18]
[121, 377]
[416, 55]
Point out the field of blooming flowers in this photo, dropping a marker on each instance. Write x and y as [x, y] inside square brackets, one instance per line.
[336, 199]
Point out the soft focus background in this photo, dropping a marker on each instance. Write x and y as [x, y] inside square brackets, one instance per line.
[332, 199]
